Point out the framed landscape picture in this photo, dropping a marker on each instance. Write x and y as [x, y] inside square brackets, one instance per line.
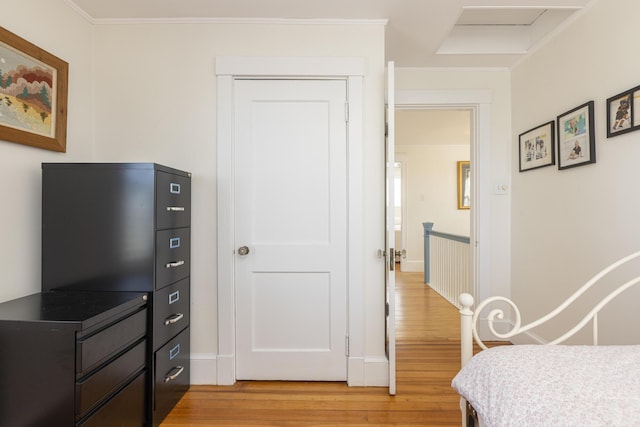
[33, 94]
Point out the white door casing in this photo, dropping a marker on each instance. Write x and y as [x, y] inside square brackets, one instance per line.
[404, 239]
[228, 71]
[290, 218]
[390, 229]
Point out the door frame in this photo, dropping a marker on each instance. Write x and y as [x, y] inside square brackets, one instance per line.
[229, 69]
[402, 159]
[479, 102]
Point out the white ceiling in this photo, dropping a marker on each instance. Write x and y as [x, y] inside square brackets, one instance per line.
[419, 33]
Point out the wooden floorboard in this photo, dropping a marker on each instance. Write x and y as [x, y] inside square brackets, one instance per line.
[428, 357]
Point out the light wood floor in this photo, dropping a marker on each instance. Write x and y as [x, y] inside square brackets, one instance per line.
[428, 357]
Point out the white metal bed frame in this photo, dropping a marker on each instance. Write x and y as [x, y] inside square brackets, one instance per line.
[469, 319]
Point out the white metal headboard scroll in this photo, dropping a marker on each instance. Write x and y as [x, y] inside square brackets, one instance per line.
[469, 318]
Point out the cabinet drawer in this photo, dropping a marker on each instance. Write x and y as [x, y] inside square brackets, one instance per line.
[125, 409]
[173, 200]
[171, 375]
[171, 312]
[92, 390]
[97, 348]
[172, 256]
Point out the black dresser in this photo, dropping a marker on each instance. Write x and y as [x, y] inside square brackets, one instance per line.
[74, 359]
[125, 227]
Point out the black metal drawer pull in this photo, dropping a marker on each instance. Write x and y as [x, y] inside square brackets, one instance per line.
[174, 318]
[174, 264]
[177, 370]
[175, 208]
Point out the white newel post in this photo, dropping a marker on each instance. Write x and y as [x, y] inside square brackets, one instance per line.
[466, 335]
[466, 342]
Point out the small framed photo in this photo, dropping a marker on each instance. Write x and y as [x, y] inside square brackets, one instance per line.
[620, 111]
[635, 107]
[464, 185]
[537, 147]
[576, 137]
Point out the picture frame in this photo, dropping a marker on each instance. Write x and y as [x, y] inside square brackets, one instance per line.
[635, 107]
[576, 137]
[33, 94]
[620, 114]
[464, 185]
[537, 147]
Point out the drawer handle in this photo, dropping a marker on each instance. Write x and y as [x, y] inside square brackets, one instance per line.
[174, 264]
[174, 318]
[176, 373]
[175, 208]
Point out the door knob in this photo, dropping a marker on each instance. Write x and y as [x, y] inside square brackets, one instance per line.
[243, 250]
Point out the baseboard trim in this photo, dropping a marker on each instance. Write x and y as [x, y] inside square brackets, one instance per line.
[204, 368]
[409, 266]
[211, 369]
[226, 373]
[376, 372]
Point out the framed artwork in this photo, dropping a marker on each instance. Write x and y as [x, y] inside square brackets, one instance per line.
[620, 111]
[33, 94]
[576, 137]
[464, 185]
[635, 107]
[537, 147]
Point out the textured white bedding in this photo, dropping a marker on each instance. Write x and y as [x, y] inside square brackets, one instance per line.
[536, 385]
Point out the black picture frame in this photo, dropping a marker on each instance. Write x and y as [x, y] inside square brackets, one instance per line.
[576, 137]
[537, 147]
[635, 102]
[620, 114]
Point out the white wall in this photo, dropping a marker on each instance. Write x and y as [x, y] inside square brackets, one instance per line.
[496, 239]
[56, 28]
[156, 101]
[568, 224]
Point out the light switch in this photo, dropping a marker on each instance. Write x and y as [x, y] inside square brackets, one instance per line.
[501, 188]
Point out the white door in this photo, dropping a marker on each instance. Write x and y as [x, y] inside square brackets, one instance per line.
[290, 202]
[390, 229]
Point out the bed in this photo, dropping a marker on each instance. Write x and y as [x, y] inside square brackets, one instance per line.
[554, 384]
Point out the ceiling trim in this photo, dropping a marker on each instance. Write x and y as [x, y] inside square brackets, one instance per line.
[238, 21]
[79, 10]
[576, 15]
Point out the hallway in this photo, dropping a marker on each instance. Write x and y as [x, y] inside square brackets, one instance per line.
[427, 359]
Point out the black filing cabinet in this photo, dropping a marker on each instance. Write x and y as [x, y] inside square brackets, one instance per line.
[126, 227]
[74, 359]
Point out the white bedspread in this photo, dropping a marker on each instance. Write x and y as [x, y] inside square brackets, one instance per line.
[534, 385]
